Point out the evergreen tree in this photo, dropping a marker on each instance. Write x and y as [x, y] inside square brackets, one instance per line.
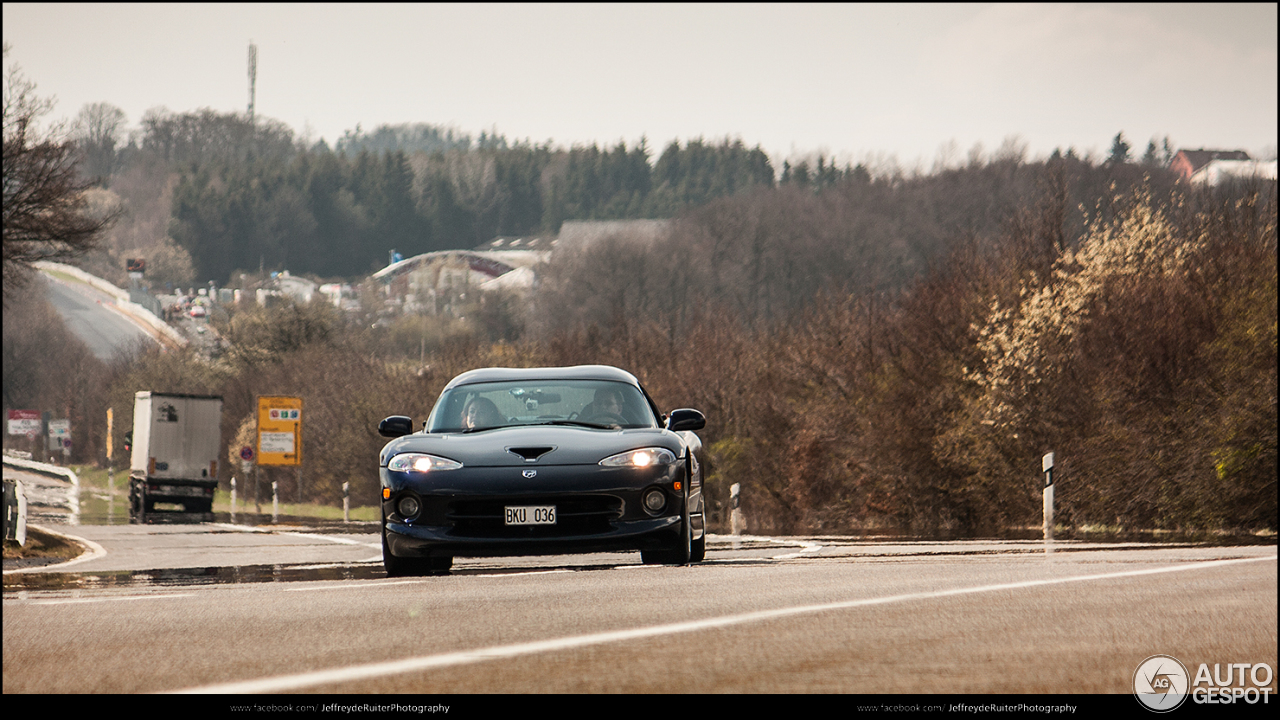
[1119, 150]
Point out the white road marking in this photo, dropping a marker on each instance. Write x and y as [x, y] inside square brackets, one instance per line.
[806, 547]
[378, 584]
[313, 536]
[80, 601]
[519, 574]
[331, 538]
[240, 528]
[284, 683]
[357, 586]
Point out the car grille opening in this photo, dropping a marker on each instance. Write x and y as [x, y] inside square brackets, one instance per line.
[575, 515]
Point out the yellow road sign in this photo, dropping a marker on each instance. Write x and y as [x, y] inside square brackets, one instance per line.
[279, 430]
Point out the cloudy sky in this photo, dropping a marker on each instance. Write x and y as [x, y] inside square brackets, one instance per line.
[908, 83]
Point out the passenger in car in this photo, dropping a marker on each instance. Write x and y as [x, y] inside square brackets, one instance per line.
[481, 413]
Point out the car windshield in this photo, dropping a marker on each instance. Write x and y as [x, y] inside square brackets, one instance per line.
[588, 403]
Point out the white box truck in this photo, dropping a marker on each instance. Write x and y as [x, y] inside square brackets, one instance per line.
[174, 462]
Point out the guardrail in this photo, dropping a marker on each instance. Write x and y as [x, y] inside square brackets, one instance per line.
[123, 301]
[43, 469]
[15, 512]
[15, 515]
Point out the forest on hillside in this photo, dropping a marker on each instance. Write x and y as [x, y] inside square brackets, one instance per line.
[873, 351]
[207, 196]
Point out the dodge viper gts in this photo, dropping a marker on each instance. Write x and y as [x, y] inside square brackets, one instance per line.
[541, 461]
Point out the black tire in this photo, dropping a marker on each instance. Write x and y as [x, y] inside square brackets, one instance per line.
[681, 554]
[412, 567]
[137, 512]
[698, 549]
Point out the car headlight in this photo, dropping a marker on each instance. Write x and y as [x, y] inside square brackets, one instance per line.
[644, 457]
[421, 462]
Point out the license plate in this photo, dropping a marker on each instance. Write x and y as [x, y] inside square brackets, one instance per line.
[531, 514]
[180, 491]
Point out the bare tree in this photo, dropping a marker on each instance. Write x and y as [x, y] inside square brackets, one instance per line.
[98, 129]
[45, 214]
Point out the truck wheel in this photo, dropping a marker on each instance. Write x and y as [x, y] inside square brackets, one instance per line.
[136, 509]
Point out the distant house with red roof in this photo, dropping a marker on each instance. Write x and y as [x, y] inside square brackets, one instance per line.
[1187, 162]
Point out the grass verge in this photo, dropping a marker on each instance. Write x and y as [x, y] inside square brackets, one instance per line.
[41, 544]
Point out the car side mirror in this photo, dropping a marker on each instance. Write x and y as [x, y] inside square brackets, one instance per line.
[685, 419]
[395, 426]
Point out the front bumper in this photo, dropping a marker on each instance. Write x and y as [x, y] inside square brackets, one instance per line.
[406, 540]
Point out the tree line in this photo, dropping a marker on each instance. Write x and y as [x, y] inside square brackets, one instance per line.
[886, 354]
[248, 196]
[873, 353]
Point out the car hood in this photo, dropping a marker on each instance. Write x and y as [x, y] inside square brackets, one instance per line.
[507, 447]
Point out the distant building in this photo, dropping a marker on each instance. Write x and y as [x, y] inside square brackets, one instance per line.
[282, 284]
[342, 295]
[1217, 171]
[1187, 162]
[508, 243]
[298, 288]
[435, 282]
[579, 233]
[439, 282]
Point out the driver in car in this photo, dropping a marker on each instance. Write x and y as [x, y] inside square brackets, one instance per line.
[606, 407]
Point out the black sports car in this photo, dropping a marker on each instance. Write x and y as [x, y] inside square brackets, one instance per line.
[541, 461]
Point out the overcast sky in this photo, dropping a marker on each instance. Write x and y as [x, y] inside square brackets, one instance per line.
[860, 82]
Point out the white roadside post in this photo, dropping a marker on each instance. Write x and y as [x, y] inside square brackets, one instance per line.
[1046, 464]
[737, 523]
[233, 500]
[275, 502]
[111, 470]
[346, 502]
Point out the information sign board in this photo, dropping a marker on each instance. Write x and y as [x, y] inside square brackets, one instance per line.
[279, 430]
[25, 422]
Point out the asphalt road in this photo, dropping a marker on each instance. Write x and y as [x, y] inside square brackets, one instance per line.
[222, 608]
[91, 315]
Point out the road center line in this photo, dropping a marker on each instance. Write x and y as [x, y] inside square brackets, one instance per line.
[284, 683]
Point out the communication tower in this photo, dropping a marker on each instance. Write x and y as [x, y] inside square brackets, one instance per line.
[253, 76]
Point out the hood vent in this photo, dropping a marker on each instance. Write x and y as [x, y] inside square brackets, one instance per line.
[531, 454]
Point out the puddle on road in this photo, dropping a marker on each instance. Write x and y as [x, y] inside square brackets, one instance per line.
[187, 577]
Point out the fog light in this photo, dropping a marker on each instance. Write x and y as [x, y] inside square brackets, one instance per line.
[655, 500]
[409, 506]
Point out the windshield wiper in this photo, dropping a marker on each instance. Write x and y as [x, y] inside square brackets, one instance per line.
[579, 423]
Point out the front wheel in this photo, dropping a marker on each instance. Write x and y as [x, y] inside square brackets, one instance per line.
[688, 551]
[698, 549]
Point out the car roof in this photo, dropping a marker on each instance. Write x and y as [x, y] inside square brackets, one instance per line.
[577, 372]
